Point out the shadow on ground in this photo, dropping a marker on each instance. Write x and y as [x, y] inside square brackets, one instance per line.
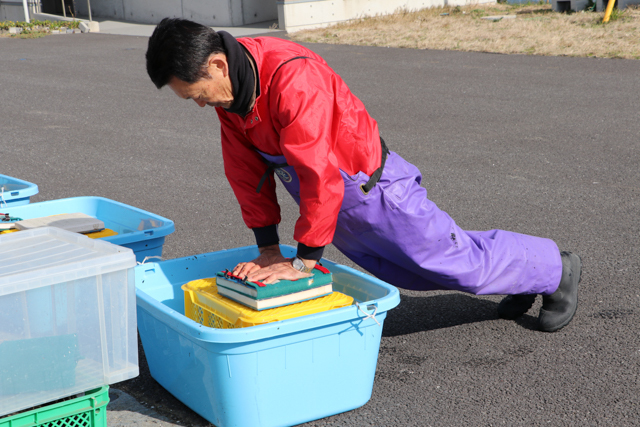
[427, 313]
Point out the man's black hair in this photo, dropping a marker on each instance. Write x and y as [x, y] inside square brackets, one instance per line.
[180, 48]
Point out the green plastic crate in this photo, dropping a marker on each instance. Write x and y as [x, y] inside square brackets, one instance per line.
[89, 410]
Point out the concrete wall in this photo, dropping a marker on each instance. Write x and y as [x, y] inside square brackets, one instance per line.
[215, 13]
[292, 15]
[11, 10]
[295, 15]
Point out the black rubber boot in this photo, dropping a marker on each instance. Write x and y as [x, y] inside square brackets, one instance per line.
[514, 306]
[559, 307]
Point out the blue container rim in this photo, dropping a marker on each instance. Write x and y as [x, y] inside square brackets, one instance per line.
[32, 189]
[165, 229]
[361, 314]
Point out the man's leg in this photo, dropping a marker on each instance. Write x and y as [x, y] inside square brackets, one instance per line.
[396, 225]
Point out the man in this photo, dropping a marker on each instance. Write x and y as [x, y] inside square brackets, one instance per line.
[283, 109]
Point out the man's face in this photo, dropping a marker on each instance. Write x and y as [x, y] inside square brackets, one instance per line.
[215, 91]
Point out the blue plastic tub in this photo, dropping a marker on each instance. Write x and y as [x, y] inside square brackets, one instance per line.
[15, 192]
[278, 374]
[137, 229]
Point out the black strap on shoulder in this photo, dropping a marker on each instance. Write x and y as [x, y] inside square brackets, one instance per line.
[375, 176]
[287, 61]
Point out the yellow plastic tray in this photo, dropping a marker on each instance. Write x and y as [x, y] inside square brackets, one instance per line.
[203, 304]
[95, 235]
[102, 233]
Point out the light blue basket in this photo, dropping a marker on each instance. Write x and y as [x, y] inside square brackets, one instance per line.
[279, 374]
[15, 192]
[137, 229]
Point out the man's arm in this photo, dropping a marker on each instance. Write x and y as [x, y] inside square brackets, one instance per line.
[303, 104]
[244, 167]
[302, 101]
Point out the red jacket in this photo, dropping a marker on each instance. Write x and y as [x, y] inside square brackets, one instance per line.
[308, 114]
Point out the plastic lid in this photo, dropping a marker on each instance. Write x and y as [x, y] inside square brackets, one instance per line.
[46, 256]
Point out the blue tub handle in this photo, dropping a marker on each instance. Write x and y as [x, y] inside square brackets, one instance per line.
[153, 269]
[369, 306]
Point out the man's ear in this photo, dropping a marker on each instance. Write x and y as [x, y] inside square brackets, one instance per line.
[218, 65]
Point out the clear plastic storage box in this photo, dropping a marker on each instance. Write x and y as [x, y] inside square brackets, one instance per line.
[277, 374]
[15, 192]
[67, 316]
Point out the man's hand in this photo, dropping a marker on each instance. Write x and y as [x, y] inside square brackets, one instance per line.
[270, 266]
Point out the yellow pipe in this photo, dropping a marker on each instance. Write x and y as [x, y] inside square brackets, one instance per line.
[607, 13]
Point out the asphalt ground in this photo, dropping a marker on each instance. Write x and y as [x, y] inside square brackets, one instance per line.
[546, 146]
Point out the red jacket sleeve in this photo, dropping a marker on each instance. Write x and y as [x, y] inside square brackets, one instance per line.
[302, 102]
[244, 167]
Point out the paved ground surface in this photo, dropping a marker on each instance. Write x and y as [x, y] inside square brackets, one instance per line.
[544, 146]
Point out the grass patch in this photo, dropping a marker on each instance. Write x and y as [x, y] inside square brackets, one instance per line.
[536, 30]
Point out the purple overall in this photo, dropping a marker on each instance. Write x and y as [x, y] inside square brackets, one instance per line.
[401, 237]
